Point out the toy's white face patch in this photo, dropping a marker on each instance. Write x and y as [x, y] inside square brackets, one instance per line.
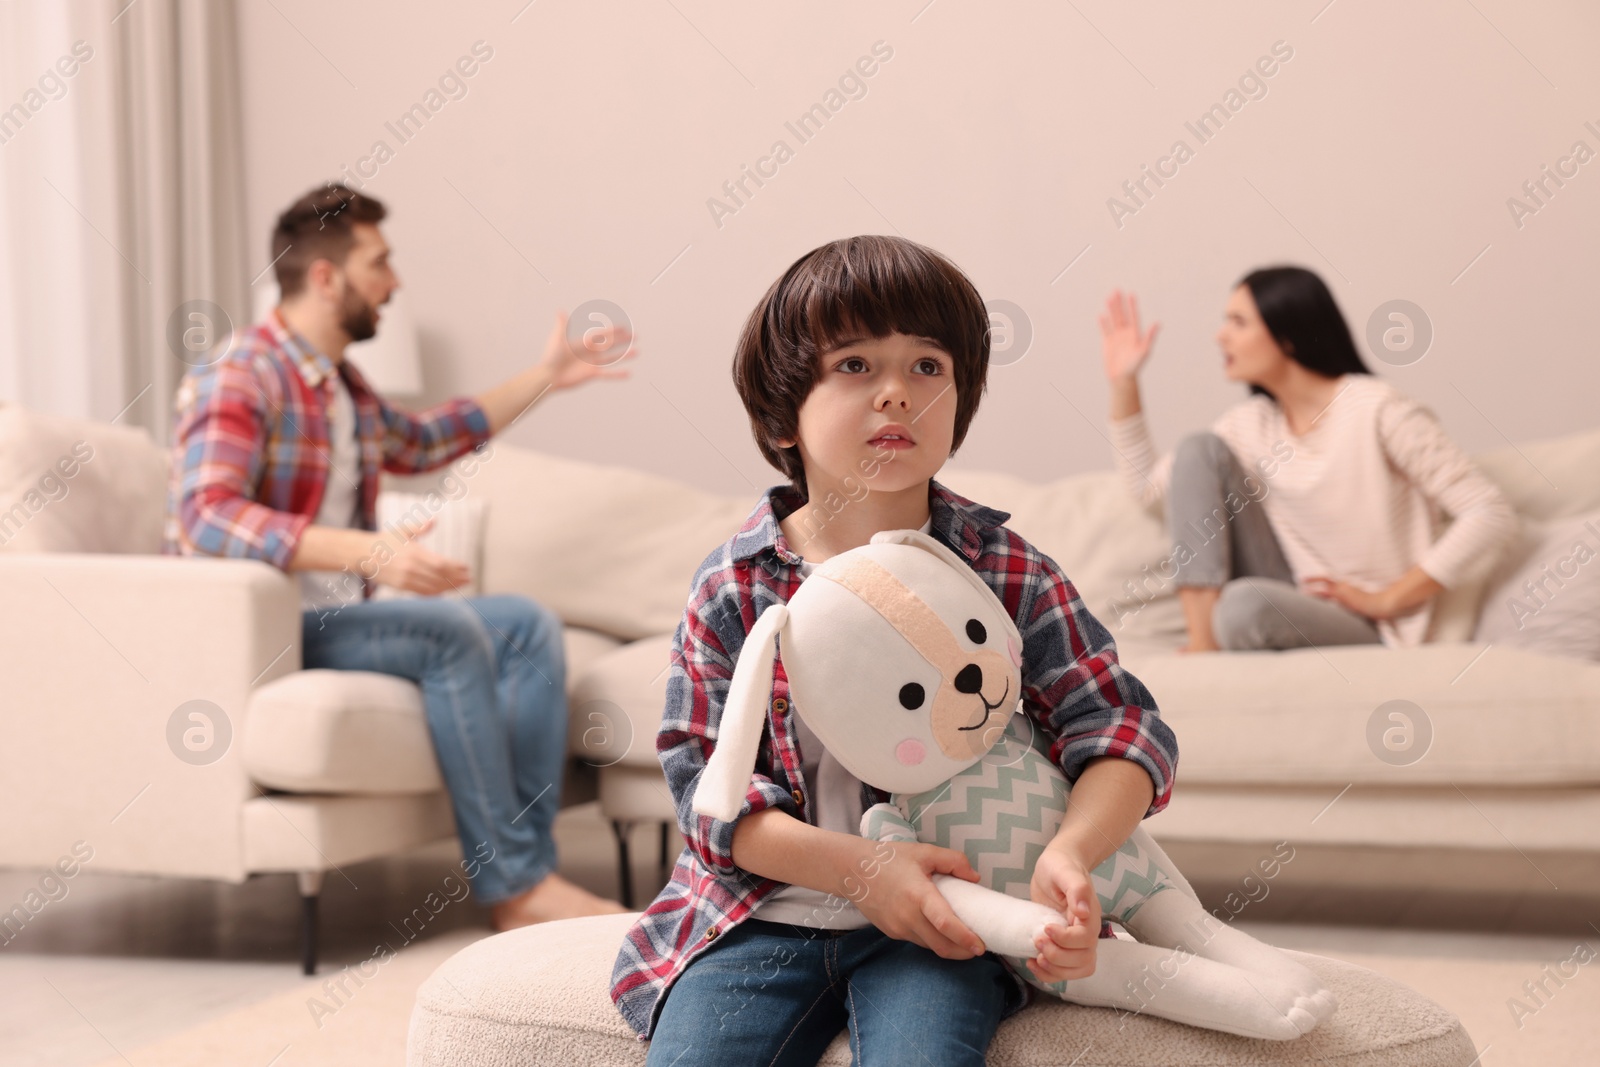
[974, 657]
[924, 665]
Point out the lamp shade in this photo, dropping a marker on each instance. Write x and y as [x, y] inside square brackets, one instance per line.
[390, 360]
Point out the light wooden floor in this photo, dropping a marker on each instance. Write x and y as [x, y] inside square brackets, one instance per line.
[123, 963]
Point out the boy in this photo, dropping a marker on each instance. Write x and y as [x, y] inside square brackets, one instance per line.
[861, 370]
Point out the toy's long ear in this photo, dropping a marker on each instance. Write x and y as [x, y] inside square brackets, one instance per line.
[722, 786]
[932, 544]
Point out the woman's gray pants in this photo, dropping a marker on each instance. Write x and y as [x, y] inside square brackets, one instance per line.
[1221, 539]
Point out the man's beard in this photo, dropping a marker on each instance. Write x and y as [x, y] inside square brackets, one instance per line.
[357, 318]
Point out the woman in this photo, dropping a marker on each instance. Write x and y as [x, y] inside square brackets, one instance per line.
[1309, 514]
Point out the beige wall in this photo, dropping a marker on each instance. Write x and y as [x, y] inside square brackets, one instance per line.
[580, 162]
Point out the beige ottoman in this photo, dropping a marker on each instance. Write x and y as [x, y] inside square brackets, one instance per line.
[536, 997]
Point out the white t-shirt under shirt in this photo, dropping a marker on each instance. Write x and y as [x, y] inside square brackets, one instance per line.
[341, 502]
[1357, 497]
[836, 804]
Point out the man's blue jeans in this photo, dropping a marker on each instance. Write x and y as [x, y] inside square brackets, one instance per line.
[775, 994]
[493, 677]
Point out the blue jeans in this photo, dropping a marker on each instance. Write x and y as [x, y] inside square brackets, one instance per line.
[493, 676]
[774, 995]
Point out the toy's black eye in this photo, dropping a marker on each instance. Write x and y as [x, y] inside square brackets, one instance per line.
[911, 696]
[976, 632]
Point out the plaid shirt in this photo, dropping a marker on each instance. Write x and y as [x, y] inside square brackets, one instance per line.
[251, 453]
[1073, 688]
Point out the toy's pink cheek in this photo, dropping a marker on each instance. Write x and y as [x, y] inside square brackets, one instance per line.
[1016, 653]
[910, 752]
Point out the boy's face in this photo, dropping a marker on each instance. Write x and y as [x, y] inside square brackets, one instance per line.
[866, 388]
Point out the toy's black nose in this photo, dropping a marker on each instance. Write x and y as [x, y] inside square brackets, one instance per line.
[970, 680]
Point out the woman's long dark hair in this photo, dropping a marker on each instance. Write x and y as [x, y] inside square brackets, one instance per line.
[1298, 310]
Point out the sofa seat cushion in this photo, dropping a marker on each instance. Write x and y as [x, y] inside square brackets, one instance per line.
[324, 731]
[538, 997]
[1501, 717]
[583, 647]
[629, 793]
[1394, 827]
[617, 704]
[313, 833]
[1303, 717]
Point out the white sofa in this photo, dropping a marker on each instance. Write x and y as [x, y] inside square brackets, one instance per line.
[105, 651]
[103, 641]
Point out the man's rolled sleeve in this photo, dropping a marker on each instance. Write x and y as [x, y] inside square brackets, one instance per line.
[221, 449]
[703, 656]
[416, 442]
[1091, 705]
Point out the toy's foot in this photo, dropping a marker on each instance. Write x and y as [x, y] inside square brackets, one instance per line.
[1176, 985]
[1301, 1018]
[1323, 1003]
[1284, 1012]
[1311, 995]
[1170, 918]
[1280, 1013]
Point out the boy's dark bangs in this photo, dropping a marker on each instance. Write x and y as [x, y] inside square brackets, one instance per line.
[854, 289]
[872, 293]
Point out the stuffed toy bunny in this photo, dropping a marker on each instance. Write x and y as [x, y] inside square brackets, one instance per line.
[908, 669]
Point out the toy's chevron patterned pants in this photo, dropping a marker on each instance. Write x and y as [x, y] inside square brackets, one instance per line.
[1002, 812]
[1182, 964]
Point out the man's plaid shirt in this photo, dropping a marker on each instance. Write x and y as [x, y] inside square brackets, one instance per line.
[250, 456]
[1073, 689]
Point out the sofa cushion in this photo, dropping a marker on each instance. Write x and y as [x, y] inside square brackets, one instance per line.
[313, 833]
[322, 731]
[617, 704]
[610, 548]
[629, 793]
[1549, 478]
[1501, 717]
[1545, 480]
[583, 647]
[76, 485]
[1107, 545]
[538, 997]
[1545, 593]
[1267, 718]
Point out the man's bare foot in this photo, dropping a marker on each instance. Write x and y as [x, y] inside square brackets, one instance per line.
[553, 898]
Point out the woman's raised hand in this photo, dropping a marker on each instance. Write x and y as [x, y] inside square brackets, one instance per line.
[1124, 347]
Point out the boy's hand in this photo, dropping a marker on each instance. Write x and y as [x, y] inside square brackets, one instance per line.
[895, 891]
[1061, 881]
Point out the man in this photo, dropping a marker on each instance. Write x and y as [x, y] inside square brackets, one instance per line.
[278, 445]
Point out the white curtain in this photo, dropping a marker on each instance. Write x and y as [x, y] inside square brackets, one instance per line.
[121, 200]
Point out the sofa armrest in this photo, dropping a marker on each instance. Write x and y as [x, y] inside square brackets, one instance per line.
[97, 655]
